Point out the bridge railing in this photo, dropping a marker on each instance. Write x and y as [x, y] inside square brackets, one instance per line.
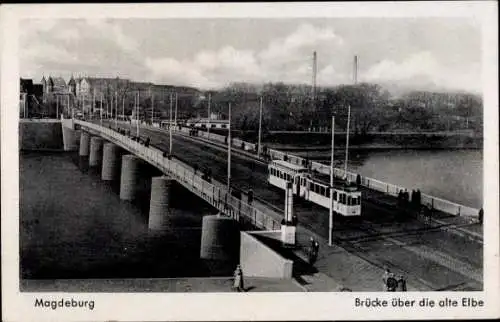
[213, 192]
[440, 204]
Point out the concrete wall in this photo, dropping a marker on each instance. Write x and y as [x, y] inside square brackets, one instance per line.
[40, 135]
[258, 260]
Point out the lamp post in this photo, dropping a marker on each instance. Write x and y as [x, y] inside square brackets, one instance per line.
[347, 142]
[330, 226]
[175, 121]
[170, 125]
[137, 113]
[152, 108]
[260, 129]
[229, 152]
[209, 118]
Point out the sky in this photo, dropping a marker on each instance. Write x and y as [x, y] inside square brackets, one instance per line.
[210, 53]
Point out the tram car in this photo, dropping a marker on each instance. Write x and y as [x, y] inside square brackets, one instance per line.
[346, 199]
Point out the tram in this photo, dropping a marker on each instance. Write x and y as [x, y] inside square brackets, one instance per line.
[346, 199]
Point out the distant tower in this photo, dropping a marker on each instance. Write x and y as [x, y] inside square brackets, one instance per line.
[315, 69]
[72, 86]
[44, 84]
[355, 71]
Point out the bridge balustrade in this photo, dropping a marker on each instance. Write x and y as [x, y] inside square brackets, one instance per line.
[374, 184]
[214, 193]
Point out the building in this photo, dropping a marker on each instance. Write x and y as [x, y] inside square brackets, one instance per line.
[56, 85]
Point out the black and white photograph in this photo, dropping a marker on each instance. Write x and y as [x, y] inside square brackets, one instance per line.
[246, 154]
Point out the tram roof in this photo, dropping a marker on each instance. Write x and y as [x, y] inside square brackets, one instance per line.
[289, 165]
[337, 184]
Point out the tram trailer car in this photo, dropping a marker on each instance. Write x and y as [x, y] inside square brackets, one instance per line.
[346, 200]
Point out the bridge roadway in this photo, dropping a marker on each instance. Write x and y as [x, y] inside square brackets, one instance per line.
[431, 258]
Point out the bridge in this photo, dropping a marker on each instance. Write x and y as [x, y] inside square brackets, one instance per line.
[439, 253]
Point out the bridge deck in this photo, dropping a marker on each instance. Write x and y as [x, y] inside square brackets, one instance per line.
[431, 257]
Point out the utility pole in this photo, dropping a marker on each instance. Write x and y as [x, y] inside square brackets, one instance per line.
[260, 129]
[229, 153]
[315, 70]
[102, 99]
[24, 105]
[57, 106]
[330, 230]
[209, 118]
[170, 125]
[355, 79]
[93, 103]
[175, 109]
[137, 113]
[116, 108]
[123, 108]
[347, 141]
[152, 108]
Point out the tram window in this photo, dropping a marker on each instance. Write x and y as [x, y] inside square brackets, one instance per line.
[322, 191]
[349, 199]
[335, 195]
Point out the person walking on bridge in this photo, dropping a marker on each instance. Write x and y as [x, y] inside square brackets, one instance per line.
[401, 284]
[390, 282]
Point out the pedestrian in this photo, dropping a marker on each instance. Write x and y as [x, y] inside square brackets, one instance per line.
[311, 250]
[413, 197]
[390, 282]
[419, 198]
[238, 279]
[358, 180]
[315, 251]
[401, 284]
[480, 216]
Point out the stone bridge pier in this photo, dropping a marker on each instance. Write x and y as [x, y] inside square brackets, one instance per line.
[220, 235]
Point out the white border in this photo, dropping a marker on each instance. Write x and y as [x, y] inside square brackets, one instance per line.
[248, 306]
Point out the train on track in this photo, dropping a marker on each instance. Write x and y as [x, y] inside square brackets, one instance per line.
[346, 199]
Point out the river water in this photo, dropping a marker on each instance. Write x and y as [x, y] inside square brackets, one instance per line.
[455, 175]
[74, 225]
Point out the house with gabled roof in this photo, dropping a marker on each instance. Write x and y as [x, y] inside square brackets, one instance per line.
[56, 85]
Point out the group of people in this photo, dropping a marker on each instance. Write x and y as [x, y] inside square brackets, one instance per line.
[293, 222]
[393, 283]
[405, 199]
